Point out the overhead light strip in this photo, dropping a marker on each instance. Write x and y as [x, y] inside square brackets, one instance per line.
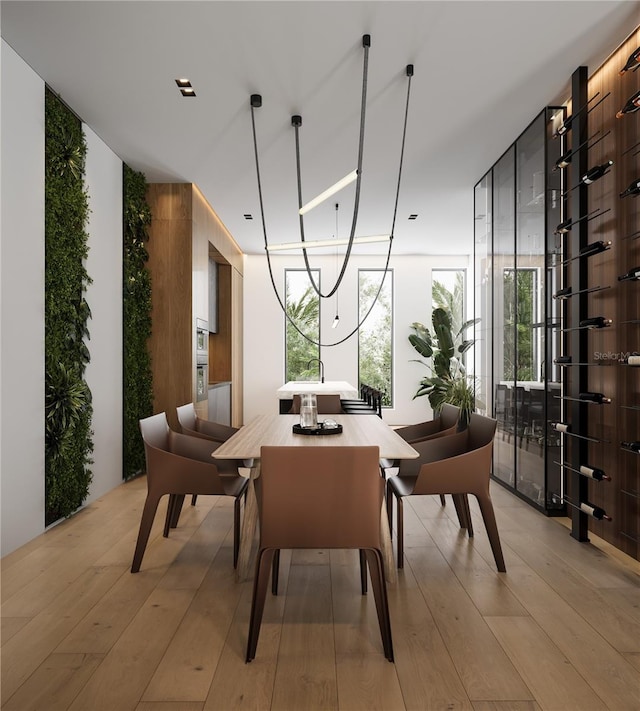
[335, 188]
[326, 243]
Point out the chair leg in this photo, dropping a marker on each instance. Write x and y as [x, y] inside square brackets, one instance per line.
[175, 515]
[363, 572]
[169, 517]
[260, 582]
[148, 514]
[194, 498]
[461, 502]
[236, 530]
[374, 559]
[400, 542]
[489, 518]
[442, 500]
[390, 497]
[275, 572]
[467, 513]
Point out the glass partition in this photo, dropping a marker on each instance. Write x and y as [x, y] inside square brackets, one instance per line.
[504, 300]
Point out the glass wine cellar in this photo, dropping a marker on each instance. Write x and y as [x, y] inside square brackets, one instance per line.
[517, 205]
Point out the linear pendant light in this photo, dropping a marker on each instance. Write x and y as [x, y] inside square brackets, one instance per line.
[354, 176]
[335, 188]
[327, 243]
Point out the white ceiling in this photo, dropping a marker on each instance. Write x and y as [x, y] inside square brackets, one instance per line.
[483, 70]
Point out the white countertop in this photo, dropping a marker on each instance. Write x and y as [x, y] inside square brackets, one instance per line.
[330, 387]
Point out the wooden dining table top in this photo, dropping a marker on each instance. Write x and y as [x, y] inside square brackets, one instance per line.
[277, 430]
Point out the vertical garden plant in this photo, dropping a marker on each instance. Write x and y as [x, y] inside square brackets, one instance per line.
[68, 410]
[138, 393]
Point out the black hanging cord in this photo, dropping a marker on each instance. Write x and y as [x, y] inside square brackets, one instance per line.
[256, 102]
[366, 43]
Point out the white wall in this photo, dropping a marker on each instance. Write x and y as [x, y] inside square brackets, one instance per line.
[22, 498]
[21, 303]
[264, 328]
[104, 296]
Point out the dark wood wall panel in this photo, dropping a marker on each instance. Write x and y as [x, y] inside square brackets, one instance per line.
[621, 302]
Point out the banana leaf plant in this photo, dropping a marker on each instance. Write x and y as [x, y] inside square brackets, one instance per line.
[448, 381]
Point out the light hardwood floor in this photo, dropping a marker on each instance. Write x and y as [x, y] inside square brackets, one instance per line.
[559, 631]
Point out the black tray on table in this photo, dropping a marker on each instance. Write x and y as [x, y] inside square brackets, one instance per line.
[319, 430]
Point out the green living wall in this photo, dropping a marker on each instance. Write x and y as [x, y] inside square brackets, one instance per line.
[68, 410]
[138, 394]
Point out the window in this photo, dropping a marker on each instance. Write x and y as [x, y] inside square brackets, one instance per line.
[303, 307]
[375, 335]
[448, 292]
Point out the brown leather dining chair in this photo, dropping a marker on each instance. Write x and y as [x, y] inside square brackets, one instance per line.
[443, 424]
[195, 426]
[319, 497]
[328, 404]
[178, 465]
[459, 464]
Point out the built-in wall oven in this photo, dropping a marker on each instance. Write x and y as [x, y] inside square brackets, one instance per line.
[202, 360]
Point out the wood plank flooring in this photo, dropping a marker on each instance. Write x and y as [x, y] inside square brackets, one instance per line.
[560, 631]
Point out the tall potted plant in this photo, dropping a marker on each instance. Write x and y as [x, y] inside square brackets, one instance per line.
[448, 381]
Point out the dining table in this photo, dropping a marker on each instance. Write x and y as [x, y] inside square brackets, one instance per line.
[277, 430]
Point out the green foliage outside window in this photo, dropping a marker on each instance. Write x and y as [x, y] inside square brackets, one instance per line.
[68, 410]
[449, 296]
[137, 377]
[519, 316]
[303, 307]
[374, 337]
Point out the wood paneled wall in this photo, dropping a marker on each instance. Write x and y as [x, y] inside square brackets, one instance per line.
[170, 263]
[183, 231]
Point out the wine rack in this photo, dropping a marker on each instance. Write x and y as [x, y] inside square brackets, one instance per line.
[600, 299]
[588, 329]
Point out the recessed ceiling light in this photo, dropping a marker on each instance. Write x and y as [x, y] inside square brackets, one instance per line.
[183, 82]
[247, 216]
[413, 216]
[187, 92]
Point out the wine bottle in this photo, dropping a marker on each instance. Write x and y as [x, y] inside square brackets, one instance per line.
[594, 248]
[563, 227]
[633, 189]
[594, 511]
[631, 446]
[564, 160]
[631, 106]
[597, 398]
[632, 63]
[596, 173]
[566, 225]
[566, 124]
[595, 322]
[562, 293]
[631, 275]
[594, 473]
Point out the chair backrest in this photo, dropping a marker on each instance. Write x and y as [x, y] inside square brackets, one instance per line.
[327, 404]
[155, 431]
[187, 416]
[320, 497]
[481, 430]
[449, 415]
[433, 450]
[193, 425]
